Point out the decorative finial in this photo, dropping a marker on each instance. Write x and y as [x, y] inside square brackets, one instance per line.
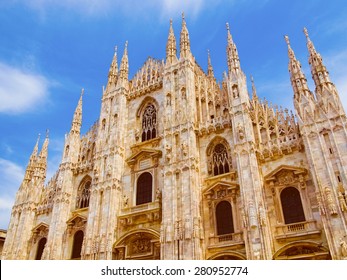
[306, 32]
[115, 49]
[227, 24]
[126, 44]
[47, 133]
[287, 39]
[170, 21]
[82, 92]
[38, 139]
[182, 15]
[252, 80]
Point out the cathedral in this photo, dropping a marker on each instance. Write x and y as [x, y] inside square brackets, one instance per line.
[181, 167]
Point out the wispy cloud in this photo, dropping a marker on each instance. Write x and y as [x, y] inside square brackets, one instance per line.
[11, 175]
[101, 7]
[20, 91]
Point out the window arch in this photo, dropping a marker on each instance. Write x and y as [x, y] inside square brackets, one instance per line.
[144, 188]
[77, 245]
[84, 194]
[40, 248]
[220, 160]
[293, 211]
[149, 123]
[224, 218]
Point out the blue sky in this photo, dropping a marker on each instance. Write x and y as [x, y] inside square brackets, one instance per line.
[50, 49]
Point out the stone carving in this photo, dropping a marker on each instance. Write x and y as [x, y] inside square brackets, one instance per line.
[157, 195]
[178, 231]
[343, 246]
[320, 205]
[141, 246]
[125, 201]
[252, 214]
[342, 202]
[168, 155]
[241, 132]
[262, 217]
[184, 147]
[330, 201]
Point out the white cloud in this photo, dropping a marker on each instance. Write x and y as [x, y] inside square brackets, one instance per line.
[11, 175]
[20, 91]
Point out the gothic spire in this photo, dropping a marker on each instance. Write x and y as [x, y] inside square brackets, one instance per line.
[184, 40]
[254, 90]
[44, 150]
[32, 161]
[171, 50]
[124, 67]
[319, 72]
[209, 65]
[36, 148]
[77, 117]
[113, 73]
[232, 54]
[297, 77]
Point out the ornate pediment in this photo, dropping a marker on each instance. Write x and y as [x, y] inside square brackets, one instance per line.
[144, 158]
[41, 230]
[221, 189]
[76, 222]
[286, 174]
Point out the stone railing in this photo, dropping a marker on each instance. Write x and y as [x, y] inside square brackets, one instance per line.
[213, 125]
[232, 238]
[295, 229]
[140, 208]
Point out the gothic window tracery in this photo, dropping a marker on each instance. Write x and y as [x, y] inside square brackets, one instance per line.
[220, 160]
[292, 208]
[144, 188]
[84, 195]
[149, 123]
[224, 218]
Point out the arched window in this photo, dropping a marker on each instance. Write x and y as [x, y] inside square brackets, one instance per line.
[77, 245]
[40, 247]
[292, 206]
[84, 195]
[149, 123]
[220, 160]
[224, 218]
[144, 188]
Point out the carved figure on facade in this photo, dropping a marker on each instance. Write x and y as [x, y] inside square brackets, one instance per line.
[125, 201]
[330, 201]
[158, 195]
[262, 215]
[240, 131]
[252, 214]
[342, 202]
[168, 150]
[320, 204]
[343, 248]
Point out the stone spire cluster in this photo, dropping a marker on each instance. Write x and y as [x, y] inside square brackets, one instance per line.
[297, 77]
